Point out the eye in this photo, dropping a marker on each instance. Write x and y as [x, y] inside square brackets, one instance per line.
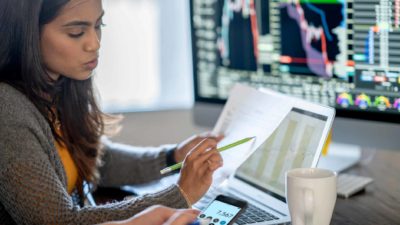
[76, 35]
[76, 32]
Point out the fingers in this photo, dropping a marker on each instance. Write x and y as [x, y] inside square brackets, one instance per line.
[210, 157]
[182, 217]
[214, 163]
[207, 163]
[190, 211]
[208, 168]
[191, 143]
[202, 147]
[164, 213]
[205, 157]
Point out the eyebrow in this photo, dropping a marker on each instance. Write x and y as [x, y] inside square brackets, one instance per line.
[82, 23]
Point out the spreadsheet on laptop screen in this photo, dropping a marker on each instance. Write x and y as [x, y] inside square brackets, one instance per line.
[292, 145]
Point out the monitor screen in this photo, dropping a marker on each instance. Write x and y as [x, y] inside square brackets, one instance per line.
[344, 54]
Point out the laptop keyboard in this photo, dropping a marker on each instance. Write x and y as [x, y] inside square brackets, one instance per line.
[253, 214]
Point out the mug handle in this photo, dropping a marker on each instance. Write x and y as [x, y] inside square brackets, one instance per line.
[308, 206]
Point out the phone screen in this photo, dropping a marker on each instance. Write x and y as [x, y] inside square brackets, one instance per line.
[220, 213]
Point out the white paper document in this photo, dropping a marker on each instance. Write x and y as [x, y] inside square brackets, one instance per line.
[248, 113]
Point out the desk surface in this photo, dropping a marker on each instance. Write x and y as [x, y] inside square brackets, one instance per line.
[378, 205]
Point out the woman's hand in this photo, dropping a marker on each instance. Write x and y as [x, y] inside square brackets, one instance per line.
[183, 148]
[161, 215]
[182, 217]
[198, 168]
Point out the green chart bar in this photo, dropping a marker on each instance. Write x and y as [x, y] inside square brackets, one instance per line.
[284, 149]
[266, 150]
[304, 145]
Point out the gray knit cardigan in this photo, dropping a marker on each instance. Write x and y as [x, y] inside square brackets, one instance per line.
[33, 183]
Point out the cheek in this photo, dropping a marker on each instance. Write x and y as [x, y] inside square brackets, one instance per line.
[59, 55]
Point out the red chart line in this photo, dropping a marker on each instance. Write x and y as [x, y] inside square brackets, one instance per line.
[289, 59]
[254, 28]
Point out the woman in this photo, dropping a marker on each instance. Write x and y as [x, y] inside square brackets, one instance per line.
[52, 132]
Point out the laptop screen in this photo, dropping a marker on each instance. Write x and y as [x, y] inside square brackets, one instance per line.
[292, 145]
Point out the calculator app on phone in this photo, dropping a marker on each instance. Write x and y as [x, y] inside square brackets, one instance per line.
[220, 213]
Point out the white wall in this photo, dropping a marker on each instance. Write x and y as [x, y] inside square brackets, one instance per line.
[145, 61]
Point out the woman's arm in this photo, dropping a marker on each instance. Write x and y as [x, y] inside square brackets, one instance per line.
[32, 193]
[135, 165]
[125, 164]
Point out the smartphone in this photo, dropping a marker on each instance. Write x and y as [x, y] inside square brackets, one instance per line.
[223, 210]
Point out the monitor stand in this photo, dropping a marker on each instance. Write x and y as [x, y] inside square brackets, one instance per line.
[340, 157]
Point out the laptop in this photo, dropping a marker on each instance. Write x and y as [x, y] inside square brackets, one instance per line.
[260, 180]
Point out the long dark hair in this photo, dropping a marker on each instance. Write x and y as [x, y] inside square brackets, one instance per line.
[71, 102]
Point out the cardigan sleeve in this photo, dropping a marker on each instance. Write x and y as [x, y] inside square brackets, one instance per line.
[32, 193]
[126, 165]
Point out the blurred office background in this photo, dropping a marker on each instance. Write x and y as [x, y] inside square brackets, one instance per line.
[145, 59]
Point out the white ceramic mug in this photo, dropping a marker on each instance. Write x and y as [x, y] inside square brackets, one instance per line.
[311, 195]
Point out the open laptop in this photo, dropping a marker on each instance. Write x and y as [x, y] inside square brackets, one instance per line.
[260, 180]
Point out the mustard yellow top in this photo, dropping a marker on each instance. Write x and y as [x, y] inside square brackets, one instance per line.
[69, 166]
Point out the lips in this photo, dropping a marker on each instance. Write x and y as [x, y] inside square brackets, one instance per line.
[91, 65]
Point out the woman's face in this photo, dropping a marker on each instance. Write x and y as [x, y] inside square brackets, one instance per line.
[70, 43]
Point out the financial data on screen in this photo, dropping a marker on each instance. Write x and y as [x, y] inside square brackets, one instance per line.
[345, 54]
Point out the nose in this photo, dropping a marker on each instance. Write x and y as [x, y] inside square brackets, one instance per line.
[92, 43]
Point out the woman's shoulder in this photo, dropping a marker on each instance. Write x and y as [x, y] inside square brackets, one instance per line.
[21, 124]
[8, 93]
[15, 106]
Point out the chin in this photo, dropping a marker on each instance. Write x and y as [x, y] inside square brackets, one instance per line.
[83, 76]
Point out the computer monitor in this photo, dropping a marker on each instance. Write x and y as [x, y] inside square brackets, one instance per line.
[344, 54]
